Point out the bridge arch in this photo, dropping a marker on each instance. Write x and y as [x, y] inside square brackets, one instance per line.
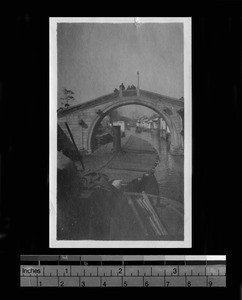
[162, 110]
[165, 106]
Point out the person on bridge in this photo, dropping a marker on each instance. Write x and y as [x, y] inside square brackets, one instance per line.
[122, 86]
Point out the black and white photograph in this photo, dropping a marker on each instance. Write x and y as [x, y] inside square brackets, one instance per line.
[119, 153]
[120, 132]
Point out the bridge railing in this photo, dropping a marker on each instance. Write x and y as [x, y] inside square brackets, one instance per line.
[129, 93]
[158, 97]
[88, 104]
[124, 93]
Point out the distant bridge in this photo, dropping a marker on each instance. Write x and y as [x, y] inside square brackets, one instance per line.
[167, 107]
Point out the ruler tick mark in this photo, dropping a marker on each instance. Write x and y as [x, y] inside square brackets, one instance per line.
[54, 273]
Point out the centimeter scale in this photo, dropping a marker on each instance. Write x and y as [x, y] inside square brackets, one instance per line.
[122, 271]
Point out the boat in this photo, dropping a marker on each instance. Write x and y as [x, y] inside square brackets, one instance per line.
[153, 216]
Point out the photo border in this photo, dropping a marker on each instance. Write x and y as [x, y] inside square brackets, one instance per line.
[53, 242]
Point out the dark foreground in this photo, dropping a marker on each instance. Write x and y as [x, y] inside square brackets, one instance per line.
[93, 206]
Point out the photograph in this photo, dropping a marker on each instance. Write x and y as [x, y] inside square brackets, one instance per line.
[119, 154]
[120, 133]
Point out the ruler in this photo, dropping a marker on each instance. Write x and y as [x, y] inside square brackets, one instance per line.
[122, 271]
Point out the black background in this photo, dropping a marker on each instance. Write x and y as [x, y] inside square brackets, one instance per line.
[216, 97]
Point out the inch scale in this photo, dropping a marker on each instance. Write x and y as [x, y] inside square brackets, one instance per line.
[122, 271]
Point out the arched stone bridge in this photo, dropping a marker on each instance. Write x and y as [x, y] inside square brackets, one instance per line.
[169, 108]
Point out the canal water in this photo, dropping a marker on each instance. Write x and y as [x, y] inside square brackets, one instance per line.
[170, 169]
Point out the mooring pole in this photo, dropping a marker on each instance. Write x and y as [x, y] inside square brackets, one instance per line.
[116, 138]
[138, 91]
[77, 151]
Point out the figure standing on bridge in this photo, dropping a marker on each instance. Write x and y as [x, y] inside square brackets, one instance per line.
[122, 86]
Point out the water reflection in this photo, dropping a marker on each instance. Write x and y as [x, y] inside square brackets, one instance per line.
[170, 170]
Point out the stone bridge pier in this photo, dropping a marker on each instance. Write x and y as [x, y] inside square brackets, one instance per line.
[92, 112]
[177, 143]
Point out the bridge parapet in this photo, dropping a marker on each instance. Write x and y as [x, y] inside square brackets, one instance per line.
[89, 112]
[129, 93]
[158, 98]
[89, 104]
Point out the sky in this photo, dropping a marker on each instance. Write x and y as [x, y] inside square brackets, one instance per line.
[95, 58]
